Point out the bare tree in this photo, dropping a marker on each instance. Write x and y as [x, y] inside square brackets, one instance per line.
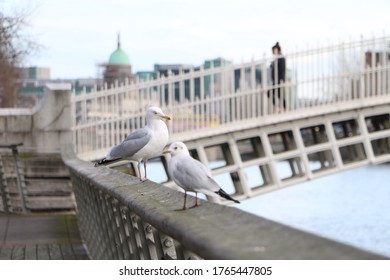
[14, 48]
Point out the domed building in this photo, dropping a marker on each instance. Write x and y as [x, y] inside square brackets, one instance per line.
[118, 67]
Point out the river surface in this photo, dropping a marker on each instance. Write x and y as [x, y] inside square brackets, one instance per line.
[352, 206]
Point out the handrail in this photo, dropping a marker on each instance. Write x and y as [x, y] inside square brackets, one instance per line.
[122, 218]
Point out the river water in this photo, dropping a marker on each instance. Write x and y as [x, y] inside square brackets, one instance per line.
[352, 206]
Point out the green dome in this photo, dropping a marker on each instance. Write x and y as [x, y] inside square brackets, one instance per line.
[119, 57]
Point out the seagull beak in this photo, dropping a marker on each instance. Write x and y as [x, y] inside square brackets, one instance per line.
[166, 117]
[166, 151]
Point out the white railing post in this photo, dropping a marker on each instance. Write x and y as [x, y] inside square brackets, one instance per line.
[253, 94]
[264, 86]
[202, 96]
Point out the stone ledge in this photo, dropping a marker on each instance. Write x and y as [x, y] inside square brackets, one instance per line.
[212, 231]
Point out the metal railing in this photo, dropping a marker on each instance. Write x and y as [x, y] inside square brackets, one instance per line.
[201, 100]
[120, 217]
[15, 200]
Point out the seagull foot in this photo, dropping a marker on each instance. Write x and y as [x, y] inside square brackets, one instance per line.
[144, 179]
[195, 205]
[181, 209]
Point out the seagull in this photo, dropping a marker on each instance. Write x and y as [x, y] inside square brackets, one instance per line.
[191, 175]
[142, 144]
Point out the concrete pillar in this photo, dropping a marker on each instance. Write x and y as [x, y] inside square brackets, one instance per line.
[52, 119]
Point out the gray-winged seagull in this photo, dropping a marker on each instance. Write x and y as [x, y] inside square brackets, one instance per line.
[144, 143]
[192, 175]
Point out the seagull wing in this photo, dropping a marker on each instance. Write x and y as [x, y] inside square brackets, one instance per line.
[131, 145]
[192, 175]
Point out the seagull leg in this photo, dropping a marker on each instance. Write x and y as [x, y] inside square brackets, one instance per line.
[139, 170]
[196, 201]
[185, 202]
[146, 177]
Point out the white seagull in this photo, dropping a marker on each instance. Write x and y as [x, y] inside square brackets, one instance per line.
[191, 175]
[144, 143]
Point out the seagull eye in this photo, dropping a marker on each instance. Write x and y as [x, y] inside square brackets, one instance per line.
[175, 148]
[155, 113]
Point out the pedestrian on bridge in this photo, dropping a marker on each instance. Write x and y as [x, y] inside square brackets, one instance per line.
[278, 77]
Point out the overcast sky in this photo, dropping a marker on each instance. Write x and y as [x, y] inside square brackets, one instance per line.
[79, 34]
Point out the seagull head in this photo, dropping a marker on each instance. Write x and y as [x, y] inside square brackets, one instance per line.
[155, 113]
[177, 148]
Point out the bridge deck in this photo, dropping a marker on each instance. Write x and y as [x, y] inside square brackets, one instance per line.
[40, 237]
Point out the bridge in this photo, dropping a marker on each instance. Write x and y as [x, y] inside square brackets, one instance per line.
[336, 117]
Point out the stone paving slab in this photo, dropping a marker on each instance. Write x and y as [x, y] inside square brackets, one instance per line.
[40, 237]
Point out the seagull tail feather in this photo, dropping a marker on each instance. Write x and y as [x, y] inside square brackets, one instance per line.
[223, 194]
[106, 161]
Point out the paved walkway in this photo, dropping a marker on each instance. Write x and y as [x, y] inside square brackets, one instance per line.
[40, 237]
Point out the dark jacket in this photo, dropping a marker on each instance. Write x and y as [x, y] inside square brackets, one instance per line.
[280, 71]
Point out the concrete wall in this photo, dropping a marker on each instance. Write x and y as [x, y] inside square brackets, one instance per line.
[42, 130]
